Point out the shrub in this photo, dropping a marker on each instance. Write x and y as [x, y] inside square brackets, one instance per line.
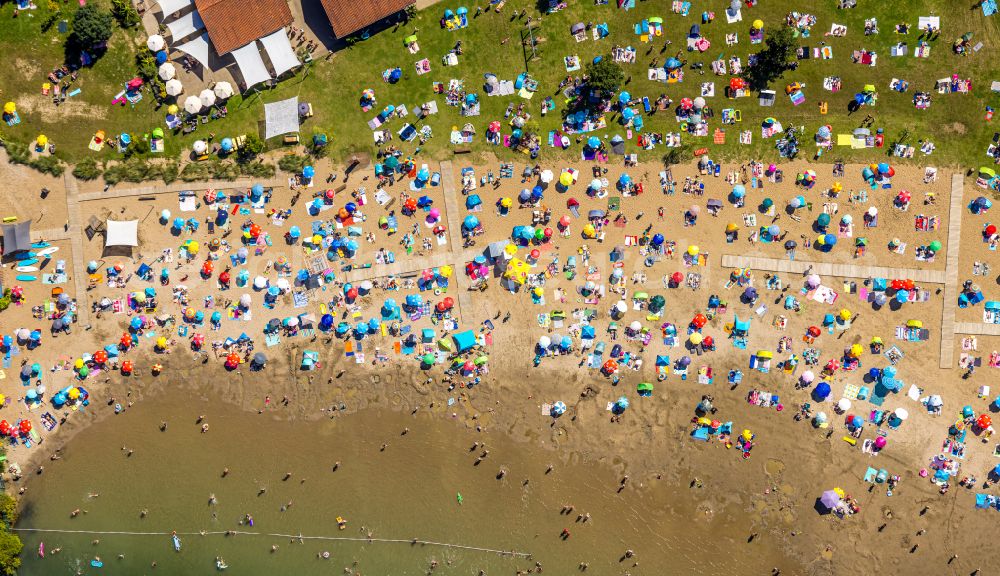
[257, 170]
[169, 172]
[145, 65]
[131, 170]
[252, 146]
[125, 13]
[139, 147]
[194, 172]
[224, 170]
[17, 152]
[87, 169]
[48, 165]
[293, 163]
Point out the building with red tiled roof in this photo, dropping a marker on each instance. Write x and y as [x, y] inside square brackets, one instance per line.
[349, 16]
[232, 24]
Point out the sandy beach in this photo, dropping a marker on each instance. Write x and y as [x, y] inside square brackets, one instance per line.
[764, 505]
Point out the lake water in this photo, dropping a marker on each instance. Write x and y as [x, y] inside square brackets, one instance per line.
[408, 490]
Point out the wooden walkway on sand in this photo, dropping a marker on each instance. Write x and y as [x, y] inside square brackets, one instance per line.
[80, 275]
[948, 277]
[831, 269]
[951, 271]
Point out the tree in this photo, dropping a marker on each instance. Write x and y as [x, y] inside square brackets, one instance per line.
[10, 553]
[91, 26]
[776, 57]
[604, 76]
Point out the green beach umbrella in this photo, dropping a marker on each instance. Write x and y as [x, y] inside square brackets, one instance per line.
[428, 359]
[935, 246]
[656, 303]
[644, 387]
[823, 219]
[481, 360]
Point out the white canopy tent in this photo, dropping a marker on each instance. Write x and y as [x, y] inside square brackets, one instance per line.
[197, 49]
[279, 50]
[122, 233]
[281, 117]
[185, 26]
[171, 6]
[251, 65]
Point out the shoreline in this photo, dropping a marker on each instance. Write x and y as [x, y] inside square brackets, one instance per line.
[651, 443]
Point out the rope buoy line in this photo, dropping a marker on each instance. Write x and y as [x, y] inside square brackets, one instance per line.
[291, 536]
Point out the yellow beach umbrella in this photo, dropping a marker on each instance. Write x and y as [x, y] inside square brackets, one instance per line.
[74, 393]
[9, 108]
[161, 342]
[78, 364]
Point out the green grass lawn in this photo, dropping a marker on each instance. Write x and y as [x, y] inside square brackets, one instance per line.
[954, 122]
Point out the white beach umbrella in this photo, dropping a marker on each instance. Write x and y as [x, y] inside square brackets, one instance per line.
[844, 404]
[174, 87]
[245, 300]
[192, 104]
[199, 146]
[544, 342]
[155, 43]
[207, 97]
[901, 413]
[167, 71]
[283, 284]
[260, 282]
[223, 90]
[547, 176]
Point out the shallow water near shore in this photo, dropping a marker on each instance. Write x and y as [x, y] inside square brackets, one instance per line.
[408, 490]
